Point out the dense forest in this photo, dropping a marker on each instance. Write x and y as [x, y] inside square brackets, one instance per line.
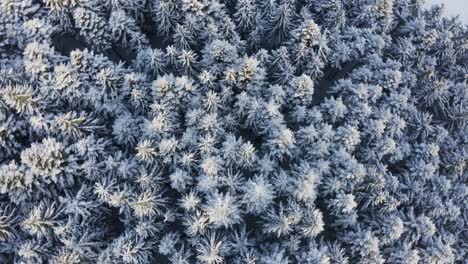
[232, 131]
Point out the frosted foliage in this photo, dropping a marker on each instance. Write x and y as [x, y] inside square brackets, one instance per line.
[240, 131]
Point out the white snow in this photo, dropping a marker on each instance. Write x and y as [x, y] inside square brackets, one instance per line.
[453, 8]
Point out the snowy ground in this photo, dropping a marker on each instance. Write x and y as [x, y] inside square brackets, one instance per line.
[453, 7]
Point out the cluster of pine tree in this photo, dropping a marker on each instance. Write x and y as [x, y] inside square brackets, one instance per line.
[232, 131]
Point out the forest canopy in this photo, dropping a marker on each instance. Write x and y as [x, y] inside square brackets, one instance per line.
[232, 131]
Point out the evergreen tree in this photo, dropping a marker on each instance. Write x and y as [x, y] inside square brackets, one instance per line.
[242, 131]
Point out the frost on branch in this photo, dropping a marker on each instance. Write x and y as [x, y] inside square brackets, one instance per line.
[241, 131]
